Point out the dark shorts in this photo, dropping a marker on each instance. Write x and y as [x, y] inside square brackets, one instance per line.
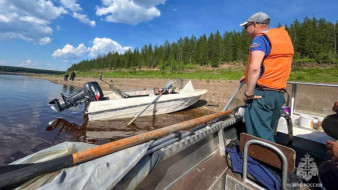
[328, 174]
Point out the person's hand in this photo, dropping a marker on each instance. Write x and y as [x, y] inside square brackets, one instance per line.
[247, 97]
[241, 79]
[332, 150]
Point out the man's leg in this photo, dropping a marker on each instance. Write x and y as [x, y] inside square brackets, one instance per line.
[258, 115]
[278, 102]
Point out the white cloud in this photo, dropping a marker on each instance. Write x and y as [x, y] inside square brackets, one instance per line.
[129, 11]
[84, 19]
[27, 63]
[102, 46]
[71, 4]
[44, 41]
[27, 19]
[149, 3]
[75, 8]
[70, 52]
[30, 20]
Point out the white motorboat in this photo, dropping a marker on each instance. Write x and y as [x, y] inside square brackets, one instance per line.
[117, 107]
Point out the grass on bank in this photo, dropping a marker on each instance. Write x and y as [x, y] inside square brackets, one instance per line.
[299, 74]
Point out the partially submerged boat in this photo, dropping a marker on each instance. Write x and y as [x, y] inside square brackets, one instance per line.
[191, 155]
[117, 104]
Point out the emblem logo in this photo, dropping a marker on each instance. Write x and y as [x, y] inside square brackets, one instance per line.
[307, 168]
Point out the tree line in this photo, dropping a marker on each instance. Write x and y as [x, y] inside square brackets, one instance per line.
[314, 41]
[28, 70]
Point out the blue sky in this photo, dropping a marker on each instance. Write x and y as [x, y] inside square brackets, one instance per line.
[54, 34]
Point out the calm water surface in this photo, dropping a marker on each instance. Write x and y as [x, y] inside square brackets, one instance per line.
[28, 124]
[25, 114]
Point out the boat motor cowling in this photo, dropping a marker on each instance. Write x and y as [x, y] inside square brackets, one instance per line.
[91, 92]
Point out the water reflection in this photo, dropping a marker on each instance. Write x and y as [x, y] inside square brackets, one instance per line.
[77, 131]
[71, 89]
[64, 88]
[101, 132]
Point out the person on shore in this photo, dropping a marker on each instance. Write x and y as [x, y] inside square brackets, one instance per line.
[268, 69]
[66, 77]
[328, 170]
[101, 74]
[72, 76]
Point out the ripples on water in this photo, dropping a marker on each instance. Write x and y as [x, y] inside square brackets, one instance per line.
[26, 119]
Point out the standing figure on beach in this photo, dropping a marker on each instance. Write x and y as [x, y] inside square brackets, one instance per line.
[101, 75]
[266, 75]
[72, 76]
[66, 77]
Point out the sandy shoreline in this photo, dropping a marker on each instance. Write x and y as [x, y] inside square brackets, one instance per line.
[219, 91]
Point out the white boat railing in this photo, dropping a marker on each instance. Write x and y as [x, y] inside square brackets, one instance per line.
[294, 91]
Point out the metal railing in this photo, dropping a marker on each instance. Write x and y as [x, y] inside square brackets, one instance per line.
[294, 91]
[272, 147]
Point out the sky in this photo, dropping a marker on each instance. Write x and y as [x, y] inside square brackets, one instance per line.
[54, 34]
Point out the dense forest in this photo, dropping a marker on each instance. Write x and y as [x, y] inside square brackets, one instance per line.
[28, 70]
[315, 41]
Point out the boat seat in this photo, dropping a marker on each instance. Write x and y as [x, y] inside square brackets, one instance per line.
[267, 155]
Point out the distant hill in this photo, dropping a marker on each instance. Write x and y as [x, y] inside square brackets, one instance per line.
[28, 70]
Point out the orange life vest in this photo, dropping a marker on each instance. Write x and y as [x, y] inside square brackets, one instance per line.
[277, 65]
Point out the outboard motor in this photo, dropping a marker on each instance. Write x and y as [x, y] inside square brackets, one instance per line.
[91, 92]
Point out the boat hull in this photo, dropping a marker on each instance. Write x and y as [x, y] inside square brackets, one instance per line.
[130, 107]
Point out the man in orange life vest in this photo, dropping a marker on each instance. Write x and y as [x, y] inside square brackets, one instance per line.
[266, 75]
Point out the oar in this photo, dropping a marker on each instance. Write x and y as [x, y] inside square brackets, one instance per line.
[24, 174]
[117, 91]
[231, 99]
[167, 86]
[233, 96]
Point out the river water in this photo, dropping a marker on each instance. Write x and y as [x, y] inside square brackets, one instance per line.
[25, 114]
[28, 124]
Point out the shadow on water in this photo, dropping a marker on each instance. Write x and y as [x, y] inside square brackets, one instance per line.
[101, 132]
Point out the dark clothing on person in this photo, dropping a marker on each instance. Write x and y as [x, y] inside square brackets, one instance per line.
[328, 174]
[66, 77]
[72, 76]
[262, 115]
